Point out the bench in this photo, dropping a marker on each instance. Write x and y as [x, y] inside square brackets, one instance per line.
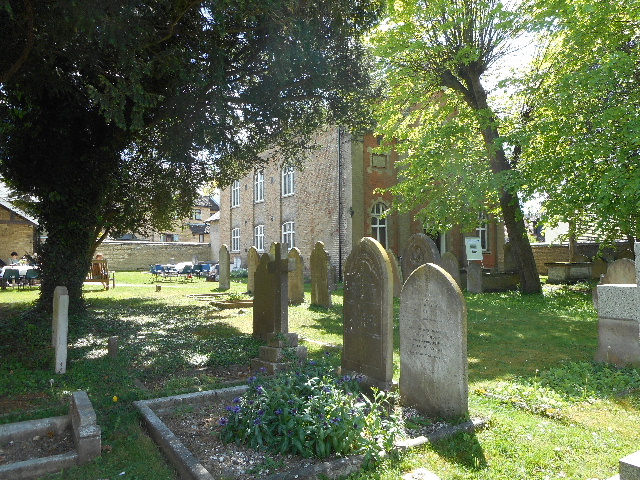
[99, 273]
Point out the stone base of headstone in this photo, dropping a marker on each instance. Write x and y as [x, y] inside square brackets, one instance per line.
[629, 468]
[618, 342]
[277, 354]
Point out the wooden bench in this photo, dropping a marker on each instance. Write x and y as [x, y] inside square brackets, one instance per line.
[99, 273]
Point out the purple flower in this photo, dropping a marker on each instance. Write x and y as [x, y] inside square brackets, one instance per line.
[223, 421]
[326, 389]
[236, 400]
[346, 378]
[236, 409]
[259, 389]
[294, 411]
[251, 379]
[260, 412]
[257, 421]
[263, 369]
[278, 411]
[336, 420]
[312, 362]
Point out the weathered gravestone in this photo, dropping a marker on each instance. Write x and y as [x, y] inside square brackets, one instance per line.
[474, 278]
[270, 312]
[320, 271]
[433, 344]
[60, 327]
[619, 321]
[622, 271]
[296, 277]
[224, 276]
[419, 250]
[600, 267]
[450, 263]
[253, 258]
[510, 264]
[367, 347]
[397, 277]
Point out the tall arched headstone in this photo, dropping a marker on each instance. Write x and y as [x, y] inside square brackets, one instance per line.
[450, 263]
[433, 344]
[397, 276]
[320, 271]
[419, 250]
[367, 347]
[224, 277]
[253, 258]
[296, 277]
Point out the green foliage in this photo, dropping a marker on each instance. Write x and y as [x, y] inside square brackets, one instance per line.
[239, 273]
[310, 412]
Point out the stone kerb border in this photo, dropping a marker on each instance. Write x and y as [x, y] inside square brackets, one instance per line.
[86, 437]
[189, 468]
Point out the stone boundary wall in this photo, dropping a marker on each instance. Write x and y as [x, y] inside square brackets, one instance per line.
[546, 253]
[132, 256]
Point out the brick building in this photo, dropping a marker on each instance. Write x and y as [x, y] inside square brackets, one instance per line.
[18, 231]
[331, 199]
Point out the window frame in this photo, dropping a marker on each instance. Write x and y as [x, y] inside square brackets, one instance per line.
[482, 231]
[289, 233]
[379, 226]
[258, 186]
[235, 239]
[288, 182]
[258, 237]
[235, 194]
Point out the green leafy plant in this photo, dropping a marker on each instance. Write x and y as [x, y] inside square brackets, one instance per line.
[311, 412]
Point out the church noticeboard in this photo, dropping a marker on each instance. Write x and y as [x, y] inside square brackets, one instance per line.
[473, 248]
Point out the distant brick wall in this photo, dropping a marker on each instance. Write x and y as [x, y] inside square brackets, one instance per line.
[16, 235]
[545, 253]
[131, 256]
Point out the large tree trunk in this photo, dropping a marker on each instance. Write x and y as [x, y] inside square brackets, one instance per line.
[512, 214]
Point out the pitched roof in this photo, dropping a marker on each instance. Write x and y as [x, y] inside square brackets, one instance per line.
[11, 207]
[207, 201]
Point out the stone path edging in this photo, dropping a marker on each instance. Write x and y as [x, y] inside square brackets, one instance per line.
[190, 469]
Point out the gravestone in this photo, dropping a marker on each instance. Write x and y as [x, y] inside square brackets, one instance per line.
[253, 258]
[600, 267]
[296, 278]
[510, 264]
[320, 271]
[619, 319]
[270, 312]
[367, 347]
[224, 276]
[60, 327]
[433, 344]
[474, 278]
[622, 271]
[450, 263]
[395, 268]
[419, 250]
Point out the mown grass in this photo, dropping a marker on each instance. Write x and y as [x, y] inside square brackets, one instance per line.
[552, 412]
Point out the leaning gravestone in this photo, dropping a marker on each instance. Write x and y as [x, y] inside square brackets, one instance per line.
[419, 250]
[252, 263]
[296, 277]
[224, 276]
[474, 278]
[450, 263]
[367, 347]
[320, 271]
[433, 344]
[395, 268]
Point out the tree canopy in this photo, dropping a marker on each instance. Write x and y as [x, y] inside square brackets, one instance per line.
[113, 113]
[580, 138]
[435, 55]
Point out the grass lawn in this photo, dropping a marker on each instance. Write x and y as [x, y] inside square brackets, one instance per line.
[553, 412]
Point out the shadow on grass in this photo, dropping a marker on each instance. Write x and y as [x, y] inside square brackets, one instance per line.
[463, 449]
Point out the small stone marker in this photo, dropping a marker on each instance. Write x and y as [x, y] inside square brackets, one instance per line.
[397, 277]
[320, 271]
[474, 278]
[433, 344]
[420, 474]
[86, 432]
[158, 288]
[224, 277]
[112, 347]
[60, 327]
[296, 277]
[419, 250]
[367, 347]
[253, 258]
[450, 263]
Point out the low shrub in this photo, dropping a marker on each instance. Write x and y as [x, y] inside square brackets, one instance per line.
[310, 411]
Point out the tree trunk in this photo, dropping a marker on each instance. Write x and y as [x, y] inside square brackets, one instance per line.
[509, 202]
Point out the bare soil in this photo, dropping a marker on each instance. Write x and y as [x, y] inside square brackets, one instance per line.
[36, 447]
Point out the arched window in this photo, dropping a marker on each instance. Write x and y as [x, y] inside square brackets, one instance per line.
[379, 223]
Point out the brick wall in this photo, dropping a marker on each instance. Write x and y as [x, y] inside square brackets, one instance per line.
[545, 253]
[16, 234]
[131, 256]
